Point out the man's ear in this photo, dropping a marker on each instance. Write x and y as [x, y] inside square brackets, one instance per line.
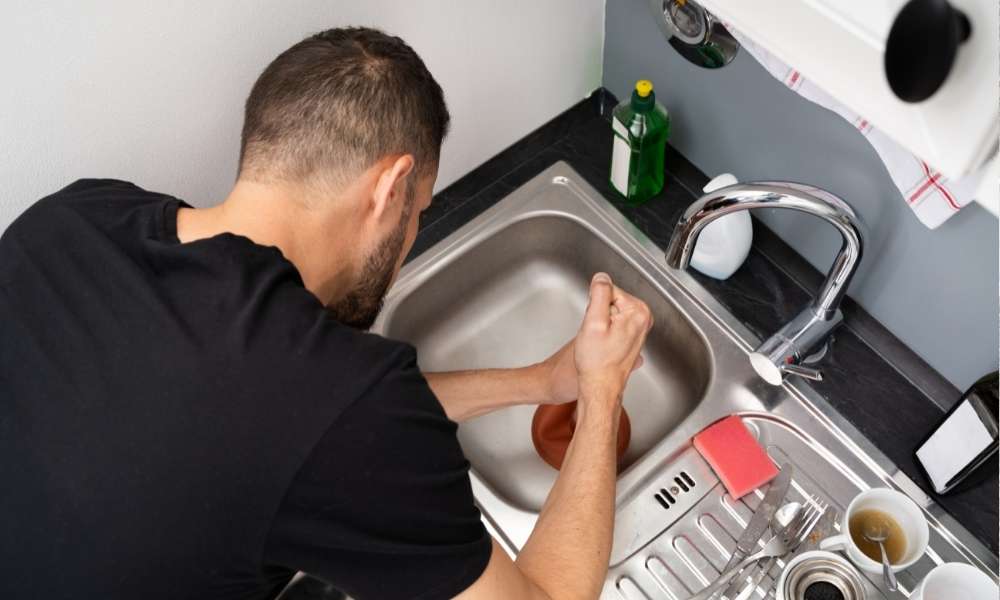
[390, 187]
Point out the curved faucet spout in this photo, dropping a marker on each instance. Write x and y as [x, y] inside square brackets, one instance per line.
[786, 348]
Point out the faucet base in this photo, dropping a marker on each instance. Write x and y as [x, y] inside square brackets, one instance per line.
[784, 351]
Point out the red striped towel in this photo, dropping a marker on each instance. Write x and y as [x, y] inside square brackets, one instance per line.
[933, 197]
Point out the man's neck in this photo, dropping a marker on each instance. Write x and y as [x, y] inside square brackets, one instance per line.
[273, 216]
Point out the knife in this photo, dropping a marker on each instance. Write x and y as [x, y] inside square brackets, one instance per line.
[762, 516]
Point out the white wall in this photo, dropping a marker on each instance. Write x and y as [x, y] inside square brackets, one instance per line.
[153, 92]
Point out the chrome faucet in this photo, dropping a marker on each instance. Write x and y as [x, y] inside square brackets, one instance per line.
[783, 352]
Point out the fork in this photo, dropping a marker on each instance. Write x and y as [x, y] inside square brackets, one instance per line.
[786, 541]
[764, 567]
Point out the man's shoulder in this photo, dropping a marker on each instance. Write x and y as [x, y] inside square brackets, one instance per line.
[99, 190]
[86, 197]
[286, 327]
[359, 353]
[87, 184]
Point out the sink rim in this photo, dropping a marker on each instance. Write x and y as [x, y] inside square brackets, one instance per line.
[534, 198]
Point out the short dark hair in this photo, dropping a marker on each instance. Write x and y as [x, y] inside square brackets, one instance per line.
[335, 103]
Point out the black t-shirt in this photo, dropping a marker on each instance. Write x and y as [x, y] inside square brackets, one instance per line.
[188, 421]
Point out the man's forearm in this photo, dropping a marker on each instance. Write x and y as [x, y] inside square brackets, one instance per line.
[568, 552]
[468, 394]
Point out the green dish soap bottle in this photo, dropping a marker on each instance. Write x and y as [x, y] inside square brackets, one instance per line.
[640, 127]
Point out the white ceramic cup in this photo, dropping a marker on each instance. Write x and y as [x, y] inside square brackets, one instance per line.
[903, 510]
[956, 580]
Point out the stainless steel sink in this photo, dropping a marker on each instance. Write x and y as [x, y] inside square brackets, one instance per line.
[515, 298]
[509, 288]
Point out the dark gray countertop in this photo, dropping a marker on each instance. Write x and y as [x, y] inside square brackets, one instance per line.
[871, 378]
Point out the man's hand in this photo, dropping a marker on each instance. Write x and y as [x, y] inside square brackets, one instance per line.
[606, 350]
[561, 377]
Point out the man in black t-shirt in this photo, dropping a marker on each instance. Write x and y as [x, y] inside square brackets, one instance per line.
[190, 406]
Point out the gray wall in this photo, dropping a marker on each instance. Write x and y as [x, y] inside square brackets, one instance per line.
[935, 290]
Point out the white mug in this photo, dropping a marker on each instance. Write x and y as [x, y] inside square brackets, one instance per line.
[956, 580]
[903, 510]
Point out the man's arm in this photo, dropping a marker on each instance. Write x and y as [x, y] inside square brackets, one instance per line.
[566, 556]
[468, 394]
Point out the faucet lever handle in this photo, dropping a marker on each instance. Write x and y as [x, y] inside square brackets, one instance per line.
[806, 372]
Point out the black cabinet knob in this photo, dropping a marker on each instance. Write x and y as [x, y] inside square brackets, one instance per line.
[921, 48]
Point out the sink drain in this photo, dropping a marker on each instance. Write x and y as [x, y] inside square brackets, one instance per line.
[822, 578]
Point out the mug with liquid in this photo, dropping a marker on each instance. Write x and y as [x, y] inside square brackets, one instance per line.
[900, 519]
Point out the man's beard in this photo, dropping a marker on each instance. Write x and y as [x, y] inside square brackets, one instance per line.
[361, 305]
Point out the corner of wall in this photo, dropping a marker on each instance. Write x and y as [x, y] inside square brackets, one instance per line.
[604, 41]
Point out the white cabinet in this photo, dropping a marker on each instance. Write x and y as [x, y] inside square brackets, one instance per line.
[840, 45]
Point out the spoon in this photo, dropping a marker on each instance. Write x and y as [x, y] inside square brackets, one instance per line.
[875, 531]
[783, 516]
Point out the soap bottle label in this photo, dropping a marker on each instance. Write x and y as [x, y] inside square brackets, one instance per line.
[621, 157]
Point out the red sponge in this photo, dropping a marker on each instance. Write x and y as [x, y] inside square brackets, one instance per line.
[735, 455]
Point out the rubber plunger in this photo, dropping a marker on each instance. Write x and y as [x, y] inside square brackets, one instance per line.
[552, 429]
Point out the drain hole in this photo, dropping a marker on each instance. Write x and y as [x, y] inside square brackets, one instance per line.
[667, 495]
[689, 481]
[662, 502]
[823, 590]
[679, 482]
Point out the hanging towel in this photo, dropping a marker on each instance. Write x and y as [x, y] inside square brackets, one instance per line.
[933, 197]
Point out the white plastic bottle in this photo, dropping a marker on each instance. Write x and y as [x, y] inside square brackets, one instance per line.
[724, 243]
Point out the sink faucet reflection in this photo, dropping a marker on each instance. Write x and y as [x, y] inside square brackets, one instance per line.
[783, 352]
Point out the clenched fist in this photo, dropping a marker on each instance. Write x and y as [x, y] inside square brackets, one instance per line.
[607, 347]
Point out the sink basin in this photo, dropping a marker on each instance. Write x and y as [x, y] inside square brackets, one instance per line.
[514, 298]
[510, 287]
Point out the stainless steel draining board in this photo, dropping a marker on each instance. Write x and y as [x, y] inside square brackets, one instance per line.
[692, 552]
